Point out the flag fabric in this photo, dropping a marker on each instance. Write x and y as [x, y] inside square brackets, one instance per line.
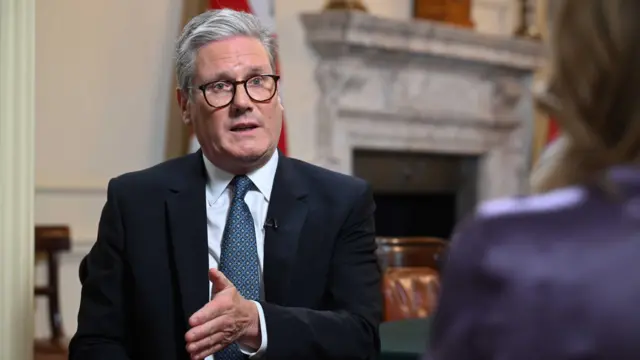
[549, 160]
[550, 146]
[552, 131]
[264, 10]
[546, 138]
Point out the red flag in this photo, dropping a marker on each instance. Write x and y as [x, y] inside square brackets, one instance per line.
[264, 10]
[238, 5]
[553, 131]
[549, 145]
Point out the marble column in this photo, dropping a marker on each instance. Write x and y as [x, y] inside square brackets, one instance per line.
[17, 122]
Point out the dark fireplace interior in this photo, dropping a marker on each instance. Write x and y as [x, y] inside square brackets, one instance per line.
[418, 194]
[403, 215]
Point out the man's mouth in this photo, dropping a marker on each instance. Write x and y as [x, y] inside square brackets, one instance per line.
[244, 127]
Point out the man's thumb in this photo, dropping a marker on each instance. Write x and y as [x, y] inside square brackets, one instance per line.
[219, 281]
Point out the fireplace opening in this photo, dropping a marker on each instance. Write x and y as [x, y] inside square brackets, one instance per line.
[415, 214]
[418, 194]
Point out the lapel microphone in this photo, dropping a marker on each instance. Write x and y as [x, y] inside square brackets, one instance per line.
[272, 223]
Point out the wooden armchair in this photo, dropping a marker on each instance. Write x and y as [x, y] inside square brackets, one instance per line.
[411, 277]
[50, 242]
[410, 251]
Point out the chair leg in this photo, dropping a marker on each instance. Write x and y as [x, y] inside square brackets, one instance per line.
[55, 316]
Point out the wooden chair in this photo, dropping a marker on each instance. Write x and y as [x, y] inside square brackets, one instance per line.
[411, 275]
[410, 292]
[50, 242]
[411, 251]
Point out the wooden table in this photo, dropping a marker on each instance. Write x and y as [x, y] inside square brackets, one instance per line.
[404, 339]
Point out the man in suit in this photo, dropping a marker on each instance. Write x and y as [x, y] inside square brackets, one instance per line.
[234, 251]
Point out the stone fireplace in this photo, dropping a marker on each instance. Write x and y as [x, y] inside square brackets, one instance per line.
[420, 87]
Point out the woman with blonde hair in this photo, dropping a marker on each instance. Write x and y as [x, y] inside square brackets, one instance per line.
[553, 275]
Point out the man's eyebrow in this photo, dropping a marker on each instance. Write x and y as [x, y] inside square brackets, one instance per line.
[224, 75]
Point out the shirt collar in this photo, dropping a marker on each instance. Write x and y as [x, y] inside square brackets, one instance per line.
[262, 178]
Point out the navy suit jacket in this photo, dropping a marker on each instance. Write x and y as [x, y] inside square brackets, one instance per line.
[147, 272]
[553, 276]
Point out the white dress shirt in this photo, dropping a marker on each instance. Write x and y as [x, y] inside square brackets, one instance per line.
[219, 195]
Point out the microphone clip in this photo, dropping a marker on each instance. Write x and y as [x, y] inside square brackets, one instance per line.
[271, 223]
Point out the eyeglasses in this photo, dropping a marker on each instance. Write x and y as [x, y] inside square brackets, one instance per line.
[260, 88]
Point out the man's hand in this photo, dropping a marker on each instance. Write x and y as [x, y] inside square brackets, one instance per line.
[227, 318]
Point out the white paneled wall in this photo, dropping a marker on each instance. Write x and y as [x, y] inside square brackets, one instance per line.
[104, 74]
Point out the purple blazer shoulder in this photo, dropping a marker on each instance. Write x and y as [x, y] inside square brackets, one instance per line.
[550, 276]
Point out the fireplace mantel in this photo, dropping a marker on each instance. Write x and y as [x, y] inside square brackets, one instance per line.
[335, 33]
[426, 87]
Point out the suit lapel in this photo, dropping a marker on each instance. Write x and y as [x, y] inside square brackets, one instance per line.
[186, 208]
[289, 209]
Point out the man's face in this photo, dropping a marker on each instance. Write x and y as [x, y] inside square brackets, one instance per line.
[242, 135]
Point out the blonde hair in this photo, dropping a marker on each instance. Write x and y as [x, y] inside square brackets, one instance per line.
[593, 89]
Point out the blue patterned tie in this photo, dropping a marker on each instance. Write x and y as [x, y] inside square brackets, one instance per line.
[239, 254]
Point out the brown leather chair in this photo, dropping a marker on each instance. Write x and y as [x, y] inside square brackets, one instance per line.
[50, 242]
[410, 251]
[411, 278]
[410, 292]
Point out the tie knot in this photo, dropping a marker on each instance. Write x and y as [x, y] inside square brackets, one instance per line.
[242, 184]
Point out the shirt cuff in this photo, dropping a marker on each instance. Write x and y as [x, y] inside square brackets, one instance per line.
[263, 335]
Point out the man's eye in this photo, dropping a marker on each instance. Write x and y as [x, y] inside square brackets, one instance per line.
[219, 86]
[256, 80]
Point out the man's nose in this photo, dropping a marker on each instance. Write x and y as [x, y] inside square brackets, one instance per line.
[241, 99]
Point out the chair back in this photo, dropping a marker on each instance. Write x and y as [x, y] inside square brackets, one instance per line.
[411, 275]
[410, 292]
[410, 251]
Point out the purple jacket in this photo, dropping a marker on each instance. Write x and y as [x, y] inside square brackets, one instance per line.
[546, 277]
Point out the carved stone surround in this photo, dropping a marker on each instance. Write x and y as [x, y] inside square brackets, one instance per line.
[425, 87]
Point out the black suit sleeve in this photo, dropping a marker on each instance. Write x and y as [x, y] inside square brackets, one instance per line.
[102, 328]
[349, 329]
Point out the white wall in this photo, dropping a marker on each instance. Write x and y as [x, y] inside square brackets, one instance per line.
[104, 77]
[103, 74]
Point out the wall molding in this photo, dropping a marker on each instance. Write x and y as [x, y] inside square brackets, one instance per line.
[88, 187]
[79, 249]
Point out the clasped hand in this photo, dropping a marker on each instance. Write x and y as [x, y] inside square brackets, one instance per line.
[227, 318]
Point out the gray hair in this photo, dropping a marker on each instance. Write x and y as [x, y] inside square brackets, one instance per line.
[215, 25]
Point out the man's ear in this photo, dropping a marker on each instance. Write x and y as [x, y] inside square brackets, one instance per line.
[280, 102]
[183, 102]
